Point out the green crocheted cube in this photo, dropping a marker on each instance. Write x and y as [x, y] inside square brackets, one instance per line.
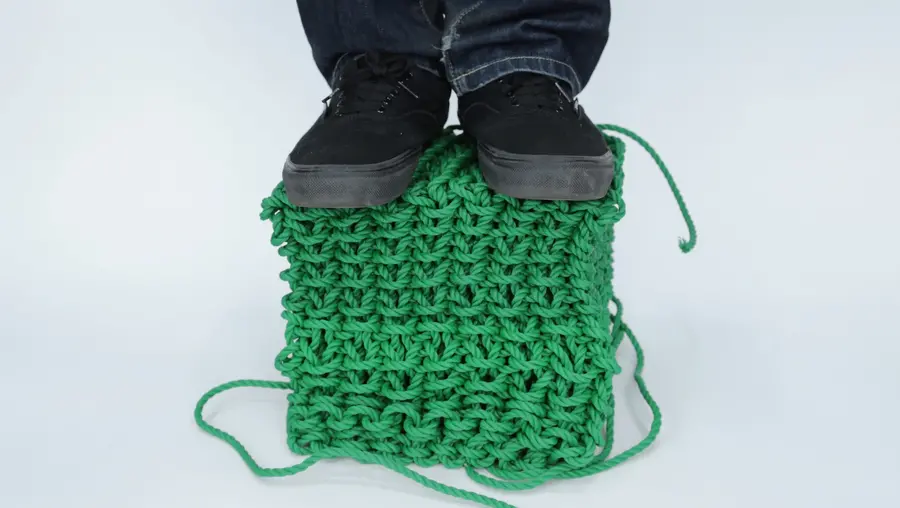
[454, 326]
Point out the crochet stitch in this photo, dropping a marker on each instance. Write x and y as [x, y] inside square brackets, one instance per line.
[454, 326]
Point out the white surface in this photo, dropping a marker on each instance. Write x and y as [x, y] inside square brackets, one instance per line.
[139, 137]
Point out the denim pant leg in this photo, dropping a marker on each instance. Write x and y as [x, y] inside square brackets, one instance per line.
[487, 39]
[336, 28]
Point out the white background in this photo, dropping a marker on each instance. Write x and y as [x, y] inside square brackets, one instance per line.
[138, 138]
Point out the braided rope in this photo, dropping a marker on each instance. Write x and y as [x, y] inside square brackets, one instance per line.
[453, 326]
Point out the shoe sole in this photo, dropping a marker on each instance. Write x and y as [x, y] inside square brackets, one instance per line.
[349, 186]
[546, 177]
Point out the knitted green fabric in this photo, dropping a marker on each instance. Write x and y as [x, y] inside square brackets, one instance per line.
[454, 326]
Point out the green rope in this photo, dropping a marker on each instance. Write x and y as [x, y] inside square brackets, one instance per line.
[685, 245]
[363, 457]
[457, 327]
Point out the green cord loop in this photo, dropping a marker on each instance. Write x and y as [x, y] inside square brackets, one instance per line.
[620, 330]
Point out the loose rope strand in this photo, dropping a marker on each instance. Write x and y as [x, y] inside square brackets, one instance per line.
[685, 245]
[399, 467]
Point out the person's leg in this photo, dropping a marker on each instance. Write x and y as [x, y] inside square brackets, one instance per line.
[487, 39]
[390, 98]
[517, 66]
[338, 28]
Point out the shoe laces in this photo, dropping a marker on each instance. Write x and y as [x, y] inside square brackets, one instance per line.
[369, 83]
[535, 91]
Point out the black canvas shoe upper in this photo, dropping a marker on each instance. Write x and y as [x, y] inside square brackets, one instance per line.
[530, 114]
[382, 106]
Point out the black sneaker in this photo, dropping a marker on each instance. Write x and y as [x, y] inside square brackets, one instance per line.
[364, 148]
[535, 141]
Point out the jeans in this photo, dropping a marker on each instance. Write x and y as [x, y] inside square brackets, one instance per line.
[471, 42]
